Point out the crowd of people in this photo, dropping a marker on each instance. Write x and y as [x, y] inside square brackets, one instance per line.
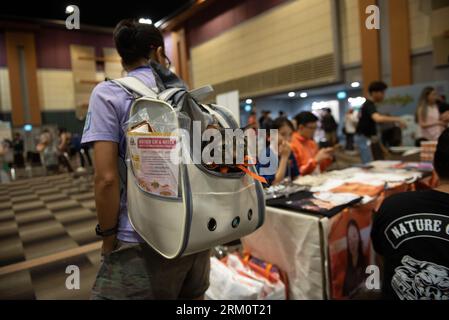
[299, 153]
[57, 153]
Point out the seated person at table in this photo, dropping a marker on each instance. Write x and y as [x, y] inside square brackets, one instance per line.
[285, 161]
[411, 234]
[309, 157]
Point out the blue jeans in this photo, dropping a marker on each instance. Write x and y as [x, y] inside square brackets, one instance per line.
[363, 143]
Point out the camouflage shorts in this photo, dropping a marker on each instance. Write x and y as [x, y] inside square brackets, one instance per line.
[135, 271]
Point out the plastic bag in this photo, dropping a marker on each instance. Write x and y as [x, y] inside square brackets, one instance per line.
[233, 279]
[153, 141]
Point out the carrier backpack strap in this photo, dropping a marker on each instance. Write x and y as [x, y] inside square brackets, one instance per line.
[169, 93]
[201, 94]
[211, 111]
[122, 172]
[136, 86]
[198, 94]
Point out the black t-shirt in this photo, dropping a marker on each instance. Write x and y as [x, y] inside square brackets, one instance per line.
[329, 124]
[411, 232]
[366, 125]
[442, 107]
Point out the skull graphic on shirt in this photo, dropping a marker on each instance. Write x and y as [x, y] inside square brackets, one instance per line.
[420, 280]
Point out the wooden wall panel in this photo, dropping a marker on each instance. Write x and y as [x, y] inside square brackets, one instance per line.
[112, 66]
[400, 53]
[370, 42]
[180, 55]
[84, 76]
[13, 41]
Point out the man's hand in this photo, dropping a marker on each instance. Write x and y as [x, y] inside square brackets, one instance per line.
[324, 154]
[109, 244]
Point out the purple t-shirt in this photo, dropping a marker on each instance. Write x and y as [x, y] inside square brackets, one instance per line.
[109, 108]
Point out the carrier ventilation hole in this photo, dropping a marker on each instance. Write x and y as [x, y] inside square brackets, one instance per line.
[250, 214]
[212, 224]
[236, 222]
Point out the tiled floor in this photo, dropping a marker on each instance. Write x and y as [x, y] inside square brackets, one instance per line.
[40, 217]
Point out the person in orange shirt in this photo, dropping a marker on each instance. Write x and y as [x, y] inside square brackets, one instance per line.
[309, 157]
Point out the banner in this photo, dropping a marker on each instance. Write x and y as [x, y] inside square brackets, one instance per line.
[350, 249]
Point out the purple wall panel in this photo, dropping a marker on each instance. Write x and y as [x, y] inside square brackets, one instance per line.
[53, 46]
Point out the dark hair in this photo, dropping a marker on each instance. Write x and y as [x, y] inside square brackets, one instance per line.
[361, 258]
[305, 117]
[354, 274]
[423, 109]
[377, 86]
[280, 122]
[441, 159]
[135, 40]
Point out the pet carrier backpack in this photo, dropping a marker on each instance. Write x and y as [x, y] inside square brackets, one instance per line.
[208, 208]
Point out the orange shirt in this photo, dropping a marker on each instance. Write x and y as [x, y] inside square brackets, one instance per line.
[305, 151]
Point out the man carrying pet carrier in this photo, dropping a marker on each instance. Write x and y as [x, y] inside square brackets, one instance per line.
[130, 268]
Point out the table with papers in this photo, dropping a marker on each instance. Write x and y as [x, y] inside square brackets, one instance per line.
[312, 248]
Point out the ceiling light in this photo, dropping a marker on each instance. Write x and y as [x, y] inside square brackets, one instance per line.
[291, 94]
[341, 95]
[145, 21]
[355, 84]
[249, 101]
[248, 108]
[69, 9]
[303, 95]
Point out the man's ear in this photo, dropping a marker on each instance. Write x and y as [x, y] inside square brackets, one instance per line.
[160, 56]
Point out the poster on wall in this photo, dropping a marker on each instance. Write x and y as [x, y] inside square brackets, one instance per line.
[403, 102]
[350, 250]
[231, 101]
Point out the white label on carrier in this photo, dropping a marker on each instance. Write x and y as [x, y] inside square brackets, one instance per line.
[151, 158]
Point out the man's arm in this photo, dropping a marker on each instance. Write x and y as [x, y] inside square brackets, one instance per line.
[107, 189]
[63, 141]
[380, 118]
